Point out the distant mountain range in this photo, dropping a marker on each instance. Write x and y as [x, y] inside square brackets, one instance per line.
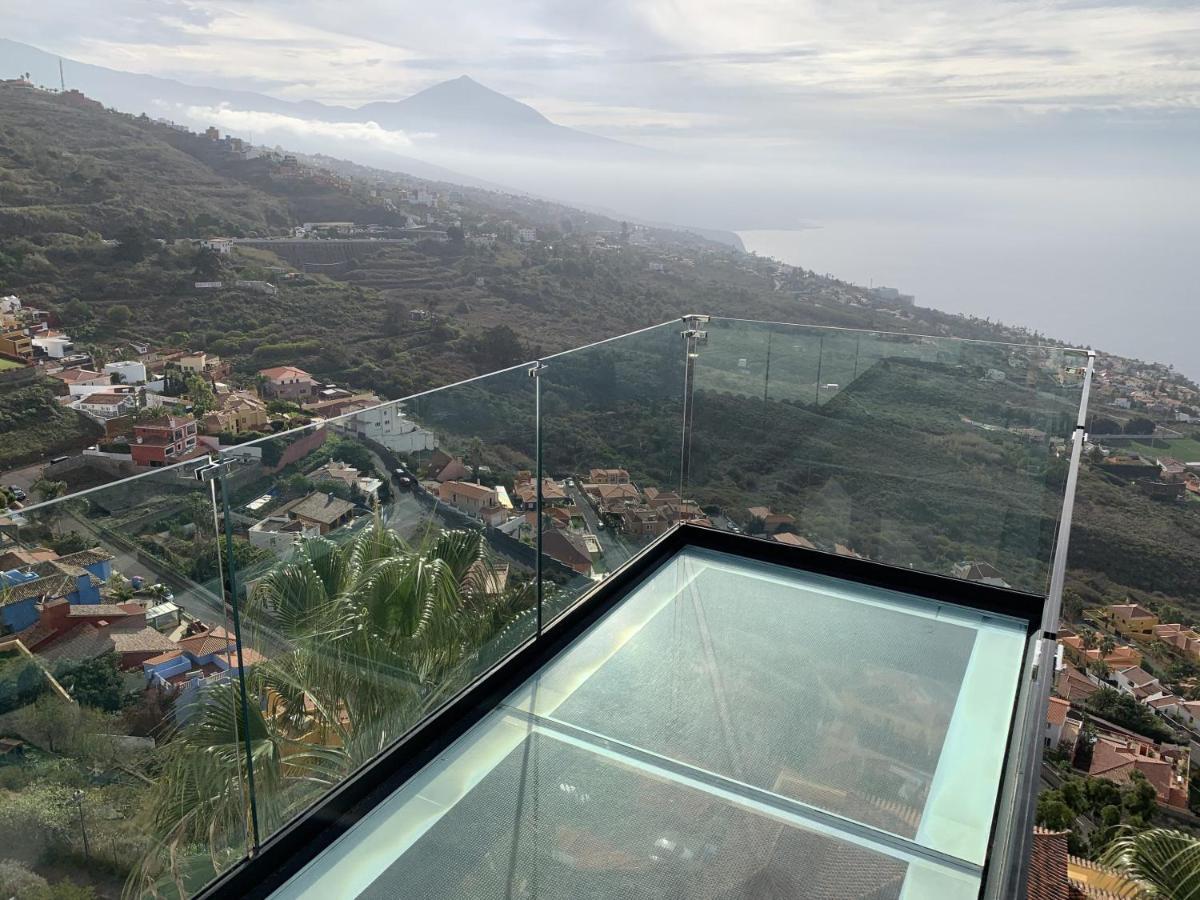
[461, 115]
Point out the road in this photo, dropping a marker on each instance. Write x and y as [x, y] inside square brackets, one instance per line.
[23, 478]
[614, 548]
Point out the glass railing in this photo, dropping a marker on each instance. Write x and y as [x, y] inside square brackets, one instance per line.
[124, 764]
[255, 627]
[934, 453]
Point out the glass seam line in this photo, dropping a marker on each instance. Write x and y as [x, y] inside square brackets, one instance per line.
[798, 812]
[941, 338]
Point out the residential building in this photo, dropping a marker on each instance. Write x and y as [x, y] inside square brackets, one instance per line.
[224, 246]
[455, 470]
[128, 371]
[1056, 717]
[72, 632]
[338, 471]
[1073, 685]
[1132, 620]
[198, 363]
[323, 511]
[16, 343]
[238, 412]
[287, 383]
[1185, 639]
[608, 476]
[793, 540]
[104, 405]
[975, 570]
[81, 382]
[279, 534]
[569, 549]
[164, 441]
[613, 497]
[387, 426]
[1118, 753]
[472, 499]
[53, 344]
[1138, 683]
[769, 522]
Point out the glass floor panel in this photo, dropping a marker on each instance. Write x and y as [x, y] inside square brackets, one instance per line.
[730, 729]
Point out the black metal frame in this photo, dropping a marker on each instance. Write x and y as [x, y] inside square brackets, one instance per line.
[283, 854]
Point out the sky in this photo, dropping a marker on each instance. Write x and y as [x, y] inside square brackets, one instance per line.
[1035, 161]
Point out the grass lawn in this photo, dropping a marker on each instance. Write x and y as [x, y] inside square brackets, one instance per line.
[1182, 449]
[6, 364]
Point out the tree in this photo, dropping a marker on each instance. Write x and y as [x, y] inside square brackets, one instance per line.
[94, 682]
[132, 245]
[1139, 425]
[200, 392]
[455, 234]
[1053, 812]
[119, 315]
[48, 489]
[1165, 863]
[1107, 646]
[22, 681]
[75, 312]
[1102, 425]
[380, 632]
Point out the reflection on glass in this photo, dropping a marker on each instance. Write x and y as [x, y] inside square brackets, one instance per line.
[611, 424]
[944, 455]
[693, 742]
[382, 565]
[114, 636]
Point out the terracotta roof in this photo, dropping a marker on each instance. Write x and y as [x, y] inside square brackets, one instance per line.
[1137, 675]
[1132, 611]
[277, 372]
[1047, 879]
[74, 376]
[323, 508]
[467, 489]
[759, 512]
[794, 540]
[139, 640]
[105, 399]
[162, 658]
[1056, 712]
[218, 640]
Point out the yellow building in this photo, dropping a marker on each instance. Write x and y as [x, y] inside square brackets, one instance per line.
[1132, 620]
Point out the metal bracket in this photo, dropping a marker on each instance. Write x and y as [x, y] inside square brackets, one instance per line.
[535, 371]
[214, 470]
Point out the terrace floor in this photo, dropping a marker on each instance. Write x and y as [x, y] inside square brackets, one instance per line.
[729, 729]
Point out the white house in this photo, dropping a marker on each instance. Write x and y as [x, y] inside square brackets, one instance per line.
[130, 371]
[527, 235]
[81, 382]
[10, 304]
[223, 246]
[1138, 683]
[388, 426]
[55, 345]
[104, 405]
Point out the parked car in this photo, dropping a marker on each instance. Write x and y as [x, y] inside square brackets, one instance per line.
[17, 493]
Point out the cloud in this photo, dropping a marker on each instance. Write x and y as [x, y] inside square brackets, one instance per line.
[264, 125]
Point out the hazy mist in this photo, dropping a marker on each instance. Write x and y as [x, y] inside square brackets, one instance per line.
[1035, 163]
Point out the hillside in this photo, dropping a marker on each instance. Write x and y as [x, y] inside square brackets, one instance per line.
[74, 169]
[74, 176]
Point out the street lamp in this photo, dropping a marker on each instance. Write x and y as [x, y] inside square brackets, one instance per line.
[78, 797]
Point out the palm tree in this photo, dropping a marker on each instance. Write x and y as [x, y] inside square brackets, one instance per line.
[377, 634]
[1107, 646]
[1164, 863]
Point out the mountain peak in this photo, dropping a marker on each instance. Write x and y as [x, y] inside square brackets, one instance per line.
[457, 101]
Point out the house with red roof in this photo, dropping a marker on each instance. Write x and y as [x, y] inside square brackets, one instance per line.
[288, 383]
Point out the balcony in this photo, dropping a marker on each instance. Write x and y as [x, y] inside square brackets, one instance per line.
[714, 609]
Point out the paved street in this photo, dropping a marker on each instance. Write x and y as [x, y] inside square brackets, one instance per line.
[23, 478]
[616, 551]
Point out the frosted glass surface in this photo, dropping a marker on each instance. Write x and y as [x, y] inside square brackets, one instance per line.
[731, 729]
